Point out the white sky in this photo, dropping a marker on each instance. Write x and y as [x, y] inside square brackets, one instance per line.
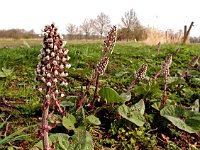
[162, 14]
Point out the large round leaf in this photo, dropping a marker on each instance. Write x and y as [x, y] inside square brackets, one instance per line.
[182, 118]
[81, 140]
[134, 116]
[110, 95]
[93, 120]
[69, 121]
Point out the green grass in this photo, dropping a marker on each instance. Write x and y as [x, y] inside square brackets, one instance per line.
[124, 62]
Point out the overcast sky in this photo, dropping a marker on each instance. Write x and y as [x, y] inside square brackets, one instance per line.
[162, 14]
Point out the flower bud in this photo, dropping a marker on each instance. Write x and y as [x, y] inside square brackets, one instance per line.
[68, 58]
[38, 70]
[56, 72]
[60, 51]
[43, 69]
[48, 97]
[48, 75]
[52, 54]
[48, 66]
[65, 52]
[64, 43]
[43, 79]
[47, 57]
[64, 59]
[61, 66]
[62, 95]
[48, 83]
[45, 34]
[64, 83]
[62, 74]
[48, 51]
[68, 65]
[55, 62]
[55, 80]
[40, 56]
[51, 45]
[56, 91]
[57, 58]
[40, 89]
[55, 47]
[50, 40]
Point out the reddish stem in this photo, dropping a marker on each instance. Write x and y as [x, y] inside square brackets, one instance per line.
[44, 124]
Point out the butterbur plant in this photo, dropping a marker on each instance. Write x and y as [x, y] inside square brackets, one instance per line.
[165, 71]
[100, 68]
[51, 72]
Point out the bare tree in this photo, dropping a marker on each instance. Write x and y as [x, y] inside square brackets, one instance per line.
[87, 27]
[71, 29]
[129, 20]
[102, 23]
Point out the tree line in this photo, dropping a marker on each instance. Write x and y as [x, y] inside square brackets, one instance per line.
[129, 29]
[18, 34]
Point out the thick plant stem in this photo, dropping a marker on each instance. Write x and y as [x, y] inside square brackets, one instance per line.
[96, 89]
[44, 125]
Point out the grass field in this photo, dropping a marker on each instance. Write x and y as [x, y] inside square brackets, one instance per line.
[20, 101]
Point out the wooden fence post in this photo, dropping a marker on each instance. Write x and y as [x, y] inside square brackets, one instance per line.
[186, 32]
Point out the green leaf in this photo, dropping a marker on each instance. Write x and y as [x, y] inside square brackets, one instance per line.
[177, 80]
[110, 95]
[82, 140]
[120, 74]
[126, 96]
[182, 118]
[93, 120]
[139, 106]
[195, 106]
[10, 148]
[15, 136]
[131, 115]
[156, 105]
[7, 72]
[195, 81]
[2, 74]
[66, 103]
[69, 121]
[63, 142]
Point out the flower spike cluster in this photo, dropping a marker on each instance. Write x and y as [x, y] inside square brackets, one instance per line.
[141, 72]
[102, 65]
[109, 43]
[164, 68]
[51, 72]
[100, 68]
[194, 61]
[166, 64]
[108, 47]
